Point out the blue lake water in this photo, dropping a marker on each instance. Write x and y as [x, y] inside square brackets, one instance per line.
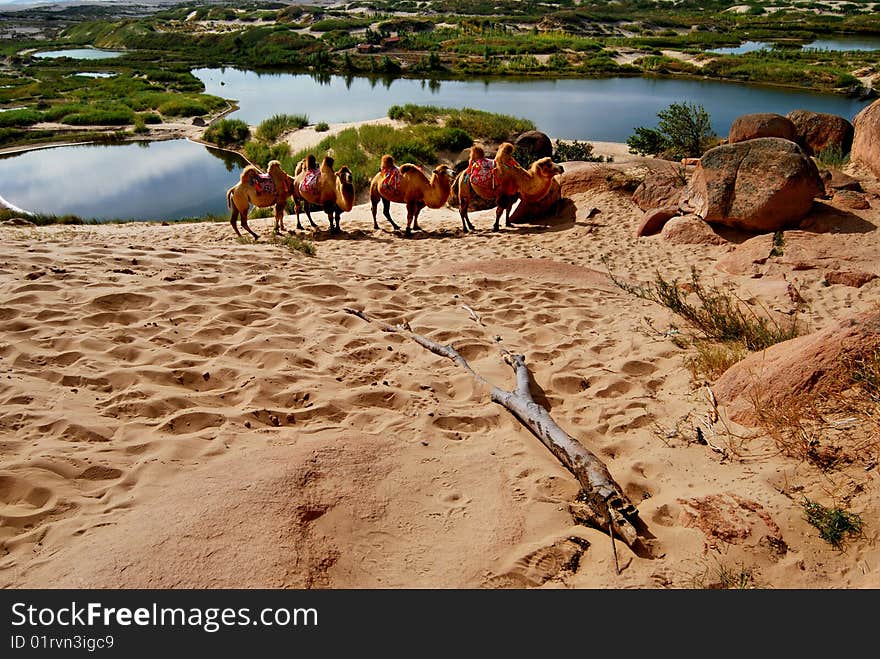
[167, 180]
[837, 43]
[605, 109]
[80, 53]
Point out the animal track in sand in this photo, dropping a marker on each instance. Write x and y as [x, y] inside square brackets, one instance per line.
[122, 301]
[323, 291]
[541, 565]
[73, 432]
[466, 424]
[100, 473]
[568, 384]
[23, 504]
[638, 368]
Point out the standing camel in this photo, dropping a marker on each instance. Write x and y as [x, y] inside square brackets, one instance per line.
[322, 186]
[261, 190]
[502, 180]
[408, 185]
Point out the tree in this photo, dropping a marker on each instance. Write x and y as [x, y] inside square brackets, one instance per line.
[684, 131]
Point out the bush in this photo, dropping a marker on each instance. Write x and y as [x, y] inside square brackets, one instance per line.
[576, 150]
[322, 127]
[183, 107]
[831, 156]
[833, 523]
[269, 129]
[684, 131]
[261, 154]
[228, 131]
[23, 117]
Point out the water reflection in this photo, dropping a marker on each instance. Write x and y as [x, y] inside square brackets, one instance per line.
[143, 181]
[606, 109]
[80, 53]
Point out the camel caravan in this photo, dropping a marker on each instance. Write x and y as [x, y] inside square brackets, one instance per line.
[485, 182]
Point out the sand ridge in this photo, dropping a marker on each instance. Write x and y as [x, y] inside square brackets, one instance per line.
[180, 409]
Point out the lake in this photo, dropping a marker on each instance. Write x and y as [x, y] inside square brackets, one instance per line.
[837, 43]
[167, 180]
[603, 109]
[80, 53]
[177, 179]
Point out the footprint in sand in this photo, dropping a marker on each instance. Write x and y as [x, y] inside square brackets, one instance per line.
[22, 503]
[539, 566]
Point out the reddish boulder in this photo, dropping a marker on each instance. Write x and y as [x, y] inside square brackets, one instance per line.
[850, 199]
[866, 141]
[690, 230]
[759, 185]
[817, 131]
[660, 189]
[654, 219]
[761, 124]
[534, 144]
[784, 374]
[854, 278]
[834, 179]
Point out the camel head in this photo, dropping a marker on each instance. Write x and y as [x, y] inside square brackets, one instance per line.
[311, 162]
[275, 167]
[477, 152]
[345, 191]
[387, 162]
[546, 168]
[505, 152]
[443, 171]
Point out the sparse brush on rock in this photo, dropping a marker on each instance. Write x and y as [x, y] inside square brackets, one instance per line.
[718, 314]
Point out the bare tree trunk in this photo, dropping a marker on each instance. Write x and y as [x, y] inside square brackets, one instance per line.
[604, 502]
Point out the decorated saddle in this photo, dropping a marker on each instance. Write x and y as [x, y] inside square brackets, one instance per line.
[483, 174]
[389, 186]
[263, 185]
[309, 184]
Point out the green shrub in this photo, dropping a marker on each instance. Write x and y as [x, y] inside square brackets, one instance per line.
[269, 129]
[183, 107]
[576, 150]
[99, 117]
[23, 117]
[684, 131]
[261, 153]
[228, 131]
[831, 156]
[833, 523]
[322, 127]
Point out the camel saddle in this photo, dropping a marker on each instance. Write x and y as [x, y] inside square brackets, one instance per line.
[390, 184]
[263, 185]
[483, 175]
[309, 184]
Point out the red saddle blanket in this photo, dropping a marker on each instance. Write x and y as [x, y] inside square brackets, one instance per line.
[264, 185]
[483, 174]
[309, 184]
[390, 183]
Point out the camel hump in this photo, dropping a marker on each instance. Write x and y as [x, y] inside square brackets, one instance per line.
[410, 168]
[249, 172]
[505, 151]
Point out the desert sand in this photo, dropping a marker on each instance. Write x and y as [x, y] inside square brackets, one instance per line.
[182, 409]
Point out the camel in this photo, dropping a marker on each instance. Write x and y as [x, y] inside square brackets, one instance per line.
[503, 180]
[260, 190]
[408, 185]
[333, 191]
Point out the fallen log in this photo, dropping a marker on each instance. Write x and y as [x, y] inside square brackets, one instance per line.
[603, 501]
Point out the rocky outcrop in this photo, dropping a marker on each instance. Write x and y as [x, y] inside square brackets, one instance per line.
[534, 144]
[850, 199]
[761, 124]
[817, 131]
[866, 140]
[854, 278]
[690, 230]
[781, 376]
[654, 219]
[834, 179]
[759, 185]
[661, 188]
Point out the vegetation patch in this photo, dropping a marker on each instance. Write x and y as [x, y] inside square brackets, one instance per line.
[271, 129]
[227, 132]
[834, 524]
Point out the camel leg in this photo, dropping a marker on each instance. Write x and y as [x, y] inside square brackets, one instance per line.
[410, 215]
[330, 209]
[386, 211]
[233, 220]
[509, 208]
[279, 218]
[246, 227]
[374, 205]
[504, 204]
[419, 205]
[462, 210]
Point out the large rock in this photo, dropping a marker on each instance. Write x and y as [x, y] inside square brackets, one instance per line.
[850, 199]
[781, 376]
[654, 219]
[866, 140]
[761, 124]
[817, 131]
[661, 188]
[534, 144]
[758, 185]
[690, 230]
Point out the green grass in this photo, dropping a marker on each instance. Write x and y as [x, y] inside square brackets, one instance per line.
[833, 156]
[228, 132]
[487, 125]
[270, 129]
[322, 127]
[296, 244]
[716, 313]
[834, 524]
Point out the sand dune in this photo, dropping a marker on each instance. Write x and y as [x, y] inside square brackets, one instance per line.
[179, 409]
